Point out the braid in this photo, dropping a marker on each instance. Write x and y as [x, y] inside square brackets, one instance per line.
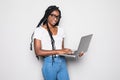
[52, 41]
[43, 21]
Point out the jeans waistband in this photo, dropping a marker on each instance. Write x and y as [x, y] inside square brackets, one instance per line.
[56, 59]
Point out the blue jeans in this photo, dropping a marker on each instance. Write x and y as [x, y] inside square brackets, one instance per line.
[55, 71]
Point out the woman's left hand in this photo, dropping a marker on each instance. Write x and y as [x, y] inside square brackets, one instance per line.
[81, 54]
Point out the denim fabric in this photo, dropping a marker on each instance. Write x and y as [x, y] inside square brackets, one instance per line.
[55, 71]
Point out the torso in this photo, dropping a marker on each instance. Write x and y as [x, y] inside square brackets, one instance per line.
[41, 33]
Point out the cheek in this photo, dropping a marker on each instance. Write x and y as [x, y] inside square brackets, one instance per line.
[50, 19]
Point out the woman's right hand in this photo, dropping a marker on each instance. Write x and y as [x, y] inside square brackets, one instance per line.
[65, 51]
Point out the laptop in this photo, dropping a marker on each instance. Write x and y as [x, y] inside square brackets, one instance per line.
[83, 46]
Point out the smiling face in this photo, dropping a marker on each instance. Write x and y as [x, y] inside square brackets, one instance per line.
[53, 18]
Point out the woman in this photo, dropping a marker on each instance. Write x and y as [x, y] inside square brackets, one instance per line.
[49, 43]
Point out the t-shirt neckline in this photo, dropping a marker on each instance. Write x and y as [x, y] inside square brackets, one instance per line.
[47, 31]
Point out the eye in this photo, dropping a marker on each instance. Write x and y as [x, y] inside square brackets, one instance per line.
[55, 16]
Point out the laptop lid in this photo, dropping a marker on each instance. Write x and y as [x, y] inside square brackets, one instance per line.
[83, 46]
[84, 43]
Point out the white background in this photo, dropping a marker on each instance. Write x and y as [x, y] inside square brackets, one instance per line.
[18, 19]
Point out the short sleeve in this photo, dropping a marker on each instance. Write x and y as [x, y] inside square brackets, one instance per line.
[37, 34]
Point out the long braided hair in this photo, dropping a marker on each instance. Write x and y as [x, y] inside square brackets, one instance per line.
[44, 21]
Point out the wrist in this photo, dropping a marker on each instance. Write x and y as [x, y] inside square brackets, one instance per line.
[54, 52]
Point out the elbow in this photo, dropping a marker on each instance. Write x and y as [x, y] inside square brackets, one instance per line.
[38, 52]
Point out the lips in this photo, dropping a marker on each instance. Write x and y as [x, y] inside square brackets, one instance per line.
[54, 22]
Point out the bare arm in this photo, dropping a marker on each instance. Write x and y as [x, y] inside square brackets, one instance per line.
[40, 52]
[63, 44]
[80, 54]
[68, 51]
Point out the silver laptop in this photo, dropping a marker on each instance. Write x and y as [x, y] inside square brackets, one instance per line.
[83, 46]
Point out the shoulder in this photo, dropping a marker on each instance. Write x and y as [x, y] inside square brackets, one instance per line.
[38, 33]
[60, 29]
[39, 30]
[61, 32]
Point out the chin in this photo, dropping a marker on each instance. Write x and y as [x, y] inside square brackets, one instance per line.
[53, 24]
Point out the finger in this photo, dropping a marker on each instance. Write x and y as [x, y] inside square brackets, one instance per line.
[82, 51]
[81, 54]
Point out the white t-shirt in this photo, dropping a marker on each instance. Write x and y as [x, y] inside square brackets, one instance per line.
[43, 35]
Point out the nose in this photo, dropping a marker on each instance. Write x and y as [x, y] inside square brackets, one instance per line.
[55, 19]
